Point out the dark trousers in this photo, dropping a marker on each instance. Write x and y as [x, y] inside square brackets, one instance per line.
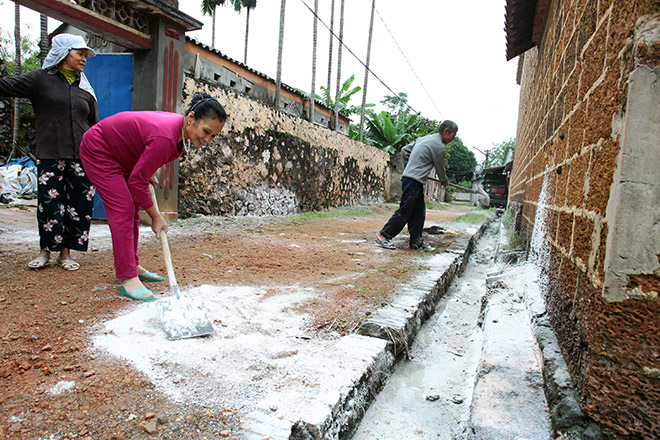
[412, 211]
[65, 202]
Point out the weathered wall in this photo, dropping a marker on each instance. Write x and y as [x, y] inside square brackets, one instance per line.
[268, 162]
[588, 125]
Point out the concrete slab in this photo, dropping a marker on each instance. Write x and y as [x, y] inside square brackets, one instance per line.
[509, 396]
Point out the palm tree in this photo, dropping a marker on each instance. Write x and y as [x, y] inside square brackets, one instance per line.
[43, 44]
[17, 71]
[278, 81]
[208, 8]
[248, 4]
[332, 38]
[341, 45]
[312, 99]
[366, 70]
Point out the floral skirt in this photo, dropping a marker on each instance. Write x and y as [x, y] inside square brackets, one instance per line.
[65, 203]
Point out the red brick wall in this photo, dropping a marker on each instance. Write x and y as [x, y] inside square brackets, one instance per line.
[573, 99]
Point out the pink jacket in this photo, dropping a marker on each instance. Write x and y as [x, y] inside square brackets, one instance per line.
[139, 143]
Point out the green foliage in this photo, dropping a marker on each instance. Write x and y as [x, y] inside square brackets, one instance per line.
[209, 5]
[476, 216]
[390, 136]
[345, 95]
[460, 160]
[30, 61]
[432, 204]
[393, 129]
[497, 156]
[514, 239]
[333, 213]
[29, 54]
[396, 105]
[465, 183]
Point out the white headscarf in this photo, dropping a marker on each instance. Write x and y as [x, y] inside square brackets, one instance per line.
[61, 46]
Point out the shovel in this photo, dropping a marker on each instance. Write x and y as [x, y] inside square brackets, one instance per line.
[181, 317]
[456, 185]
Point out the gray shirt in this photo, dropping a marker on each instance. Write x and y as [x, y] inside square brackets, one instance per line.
[422, 156]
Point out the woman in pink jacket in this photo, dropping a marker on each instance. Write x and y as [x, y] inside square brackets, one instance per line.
[121, 154]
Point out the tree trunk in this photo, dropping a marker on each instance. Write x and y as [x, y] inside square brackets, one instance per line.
[247, 32]
[339, 51]
[213, 28]
[332, 38]
[43, 44]
[278, 82]
[366, 70]
[312, 95]
[17, 71]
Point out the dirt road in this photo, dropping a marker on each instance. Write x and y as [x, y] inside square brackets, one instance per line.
[54, 384]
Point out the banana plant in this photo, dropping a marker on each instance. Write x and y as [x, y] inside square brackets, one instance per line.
[391, 136]
[345, 95]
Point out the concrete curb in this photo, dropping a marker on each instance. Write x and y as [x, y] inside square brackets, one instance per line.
[400, 321]
[566, 414]
[382, 340]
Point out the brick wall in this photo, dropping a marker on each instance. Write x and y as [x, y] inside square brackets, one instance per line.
[575, 129]
[267, 162]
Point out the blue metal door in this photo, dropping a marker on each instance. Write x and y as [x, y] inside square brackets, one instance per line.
[111, 75]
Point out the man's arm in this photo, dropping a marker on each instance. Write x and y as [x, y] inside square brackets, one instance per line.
[405, 153]
[439, 163]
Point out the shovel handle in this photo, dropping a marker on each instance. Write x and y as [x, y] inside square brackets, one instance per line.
[166, 249]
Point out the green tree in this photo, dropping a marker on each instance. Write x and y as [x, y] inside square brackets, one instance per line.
[346, 92]
[30, 61]
[460, 160]
[390, 136]
[498, 155]
[398, 107]
[29, 54]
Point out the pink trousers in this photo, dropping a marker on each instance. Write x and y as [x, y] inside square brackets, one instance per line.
[121, 211]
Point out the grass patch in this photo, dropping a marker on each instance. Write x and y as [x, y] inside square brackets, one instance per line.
[514, 239]
[432, 204]
[475, 216]
[334, 213]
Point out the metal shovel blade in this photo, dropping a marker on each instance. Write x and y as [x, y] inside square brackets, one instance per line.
[184, 317]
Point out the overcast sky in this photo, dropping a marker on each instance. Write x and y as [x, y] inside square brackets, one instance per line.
[447, 55]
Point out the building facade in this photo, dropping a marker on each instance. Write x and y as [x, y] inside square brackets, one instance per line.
[586, 188]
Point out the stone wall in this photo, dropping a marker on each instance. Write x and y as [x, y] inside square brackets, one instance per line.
[267, 162]
[586, 188]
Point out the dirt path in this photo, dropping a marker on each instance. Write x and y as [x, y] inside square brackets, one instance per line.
[53, 385]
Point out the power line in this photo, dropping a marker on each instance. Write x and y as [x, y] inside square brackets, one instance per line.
[409, 65]
[357, 58]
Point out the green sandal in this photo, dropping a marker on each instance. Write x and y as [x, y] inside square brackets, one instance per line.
[139, 294]
[150, 276]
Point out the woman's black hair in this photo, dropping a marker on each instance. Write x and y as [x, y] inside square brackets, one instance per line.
[206, 106]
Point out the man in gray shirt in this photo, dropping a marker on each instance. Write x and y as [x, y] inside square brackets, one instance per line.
[420, 157]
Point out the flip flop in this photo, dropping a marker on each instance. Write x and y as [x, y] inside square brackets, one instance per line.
[69, 264]
[38, 263]
[139, 294]
[150, 276]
